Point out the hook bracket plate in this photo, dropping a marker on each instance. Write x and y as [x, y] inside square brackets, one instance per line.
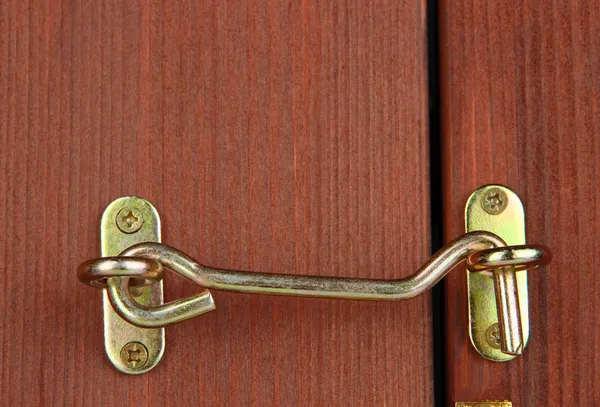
[132, 350]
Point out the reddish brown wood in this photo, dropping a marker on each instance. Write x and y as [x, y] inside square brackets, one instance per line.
[521, 94]
[282, 136]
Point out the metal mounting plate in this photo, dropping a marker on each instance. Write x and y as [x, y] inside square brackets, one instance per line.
[496, 209]
[132, 350]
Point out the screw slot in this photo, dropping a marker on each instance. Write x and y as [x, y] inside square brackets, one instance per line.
[492, 335]
[134, 355]
[129, 220]
[494, 201]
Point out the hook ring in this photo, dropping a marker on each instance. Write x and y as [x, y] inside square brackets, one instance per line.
[141, 271]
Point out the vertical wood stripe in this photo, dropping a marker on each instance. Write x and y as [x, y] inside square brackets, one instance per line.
[283, 136]
[520, 106]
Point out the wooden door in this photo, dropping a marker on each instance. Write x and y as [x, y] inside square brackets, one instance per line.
[295, 137]
[280, 136]
[520, 106]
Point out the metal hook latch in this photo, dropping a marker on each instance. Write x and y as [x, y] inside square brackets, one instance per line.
[133, 288]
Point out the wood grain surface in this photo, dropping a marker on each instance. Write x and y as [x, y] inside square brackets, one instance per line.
[281, 136]
[521, 107]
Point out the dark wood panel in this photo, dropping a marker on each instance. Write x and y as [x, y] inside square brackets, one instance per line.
[281, 136]
[521, 92]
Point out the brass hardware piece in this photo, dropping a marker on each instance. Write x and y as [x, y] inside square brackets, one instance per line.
[483, 404]
[118, 333]
[498, 306]
[314, 286]
[282, 284]
[140, 259]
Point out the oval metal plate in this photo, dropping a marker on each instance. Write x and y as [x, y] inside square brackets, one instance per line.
[496, 209]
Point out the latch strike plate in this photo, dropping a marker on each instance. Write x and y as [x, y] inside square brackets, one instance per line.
[497, 209]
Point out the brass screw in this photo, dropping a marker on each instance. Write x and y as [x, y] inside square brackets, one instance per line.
[494, 201]
[134, 355]
[129, 220]
[493, 336]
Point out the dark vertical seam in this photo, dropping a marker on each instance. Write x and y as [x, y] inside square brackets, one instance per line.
[436, 201]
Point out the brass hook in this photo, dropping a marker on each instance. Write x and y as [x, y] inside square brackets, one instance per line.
[484, 251]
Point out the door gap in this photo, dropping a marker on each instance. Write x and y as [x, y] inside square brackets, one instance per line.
[436, 202]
